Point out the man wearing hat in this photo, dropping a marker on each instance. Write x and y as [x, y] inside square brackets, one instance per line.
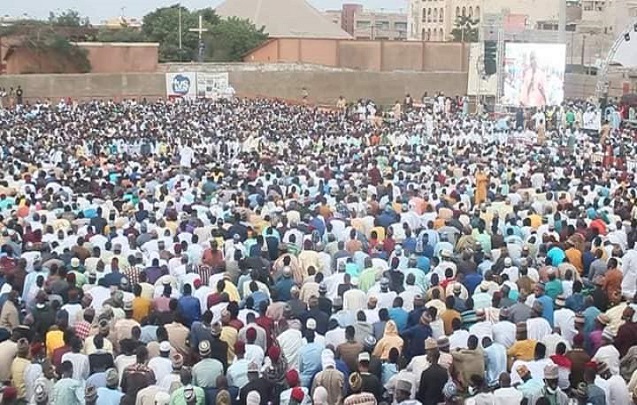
[613, 385]
[524, 348]
[370, 382]
[161, 365]
[531, 387]
[110, 395]
[285, 283]
[257, 383]
[564, 319]
[329, 378]
[546, 301]
[481, 297]
[18, 368]
[402, 393]
[416, 335]
[65, 391]
[238, 371]
[206, 371]
[433, 377]
[551, 390]
[173, 380]
[188, 394]
[123, 327]
[607, 352]
[537, 327]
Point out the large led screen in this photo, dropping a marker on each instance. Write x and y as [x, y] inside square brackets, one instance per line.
[534, 74]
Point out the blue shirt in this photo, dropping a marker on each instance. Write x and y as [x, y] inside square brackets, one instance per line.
[575, 302]
[423, 262]
[309, 362]
[283, 287]
[471, 282]
[190, 308]
[495, 362]
[399, 316]
[547, 308]
[107, 396]
[556, 255]
[416, 336]
[113, 279]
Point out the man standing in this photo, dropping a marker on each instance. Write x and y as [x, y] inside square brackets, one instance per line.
[206, 371]
[551, 391]
[67, 390]
[433, 379]
[615, 388]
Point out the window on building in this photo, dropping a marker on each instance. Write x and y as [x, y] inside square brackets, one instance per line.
[424, 14]
[457, 11]
[470, 11]
[477, 11]
[382, 25]
[400, 26]
[435, 15]
[464, 11]
[424, 34]
[442, 34]
[440, 15]
[362, 24]
[428, 15]
[428, 35]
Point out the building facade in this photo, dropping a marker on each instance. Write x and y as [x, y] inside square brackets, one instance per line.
[368, 24]
[434, 20]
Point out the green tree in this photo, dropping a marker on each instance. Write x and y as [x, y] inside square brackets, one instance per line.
[465, 29]
[162, 25]
[68, 18]
[230, 39]
[124, 34]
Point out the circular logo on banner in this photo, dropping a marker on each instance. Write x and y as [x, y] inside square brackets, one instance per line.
[181, 85]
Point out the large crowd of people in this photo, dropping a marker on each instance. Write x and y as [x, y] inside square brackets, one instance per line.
[253, 252]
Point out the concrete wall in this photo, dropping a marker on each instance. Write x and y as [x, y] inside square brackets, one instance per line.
[583, 86]
[324, 86]
[88, 86]
[375, 56]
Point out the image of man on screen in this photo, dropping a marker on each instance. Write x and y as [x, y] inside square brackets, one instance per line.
[533, 92]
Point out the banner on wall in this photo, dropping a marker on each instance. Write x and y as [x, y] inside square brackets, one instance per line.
[212, 85]
[181, 85]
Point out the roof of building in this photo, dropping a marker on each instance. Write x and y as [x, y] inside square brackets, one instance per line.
[283, 18]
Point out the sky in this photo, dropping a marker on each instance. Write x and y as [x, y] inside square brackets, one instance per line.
[101, 10]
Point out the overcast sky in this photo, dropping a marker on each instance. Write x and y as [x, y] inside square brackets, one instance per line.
[100, 10]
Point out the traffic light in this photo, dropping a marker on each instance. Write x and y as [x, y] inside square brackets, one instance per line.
[490, 57]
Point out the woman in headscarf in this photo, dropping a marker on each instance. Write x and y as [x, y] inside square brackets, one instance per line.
[389, 340]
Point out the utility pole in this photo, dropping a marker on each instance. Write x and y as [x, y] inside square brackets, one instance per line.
[179, 26]
[200, 30]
